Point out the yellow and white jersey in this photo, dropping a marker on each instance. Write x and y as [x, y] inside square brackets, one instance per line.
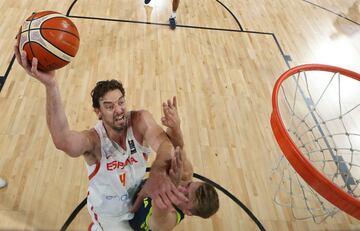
[114, 180]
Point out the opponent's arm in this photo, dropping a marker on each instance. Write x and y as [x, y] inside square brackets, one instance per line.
[158, 186]
[172, 121]
[166, 219]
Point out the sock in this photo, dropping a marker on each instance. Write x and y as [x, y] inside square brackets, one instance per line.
[173, 14]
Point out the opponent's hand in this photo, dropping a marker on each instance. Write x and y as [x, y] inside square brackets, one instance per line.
[176, 168]
[47, 78]
[171, 118]
[161, 190]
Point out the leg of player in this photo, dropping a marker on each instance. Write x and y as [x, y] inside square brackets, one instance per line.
[172, 19]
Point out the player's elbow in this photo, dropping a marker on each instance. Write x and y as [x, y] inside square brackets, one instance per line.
[59, 143]
[63, 145]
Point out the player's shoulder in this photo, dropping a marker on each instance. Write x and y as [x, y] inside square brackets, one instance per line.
[92, 135]
[141, 121]
[140, 114]
[140, 117]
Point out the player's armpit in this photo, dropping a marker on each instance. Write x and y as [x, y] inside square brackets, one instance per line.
[77, 143]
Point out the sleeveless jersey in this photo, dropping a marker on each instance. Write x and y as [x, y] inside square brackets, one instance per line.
[114, 180]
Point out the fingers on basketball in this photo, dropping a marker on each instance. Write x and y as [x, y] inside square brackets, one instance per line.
[23, 59]
[34, 65]
[57, 30]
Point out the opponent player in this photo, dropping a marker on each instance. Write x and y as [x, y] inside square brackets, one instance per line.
[203, 198]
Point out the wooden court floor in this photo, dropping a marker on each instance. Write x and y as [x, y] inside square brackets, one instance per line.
[221, 62]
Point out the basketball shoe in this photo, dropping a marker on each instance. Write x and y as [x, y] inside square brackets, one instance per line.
[172, 21]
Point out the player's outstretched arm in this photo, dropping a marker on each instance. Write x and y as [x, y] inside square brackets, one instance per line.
[72, 142]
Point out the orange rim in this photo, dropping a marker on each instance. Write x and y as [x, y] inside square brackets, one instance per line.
[302, 166]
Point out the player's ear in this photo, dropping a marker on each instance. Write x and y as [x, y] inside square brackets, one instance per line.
[98, 113]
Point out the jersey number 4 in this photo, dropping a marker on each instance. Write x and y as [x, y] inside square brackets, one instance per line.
[122, 178]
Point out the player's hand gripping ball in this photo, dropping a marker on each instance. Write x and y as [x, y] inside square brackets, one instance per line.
[50, 37]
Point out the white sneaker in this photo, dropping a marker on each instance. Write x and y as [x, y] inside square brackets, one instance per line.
[2, 183]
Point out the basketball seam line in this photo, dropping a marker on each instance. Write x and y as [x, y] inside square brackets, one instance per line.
[43, 37]
[50, 51]
[31, 49]
[46, 28]
[29, 40]
[58, 29]
[55, 47]
[52, 45]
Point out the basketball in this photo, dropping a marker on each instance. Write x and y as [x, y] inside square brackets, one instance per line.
[50, 37]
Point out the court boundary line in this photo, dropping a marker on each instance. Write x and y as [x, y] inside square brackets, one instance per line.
[333, 12]
[287, 58]
[232, 14]
[8, 69]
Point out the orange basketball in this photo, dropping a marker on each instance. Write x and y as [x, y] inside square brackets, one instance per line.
[50, 37]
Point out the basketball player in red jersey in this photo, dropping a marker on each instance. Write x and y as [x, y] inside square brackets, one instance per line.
[172, 19]
[115, 151]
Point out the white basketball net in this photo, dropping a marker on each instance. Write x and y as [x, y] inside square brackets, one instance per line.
[321, 112]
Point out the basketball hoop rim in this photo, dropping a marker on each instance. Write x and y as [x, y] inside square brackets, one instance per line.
[303, 167]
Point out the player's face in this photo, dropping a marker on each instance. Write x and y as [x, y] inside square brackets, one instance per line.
[191, 188]
[113, 110]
